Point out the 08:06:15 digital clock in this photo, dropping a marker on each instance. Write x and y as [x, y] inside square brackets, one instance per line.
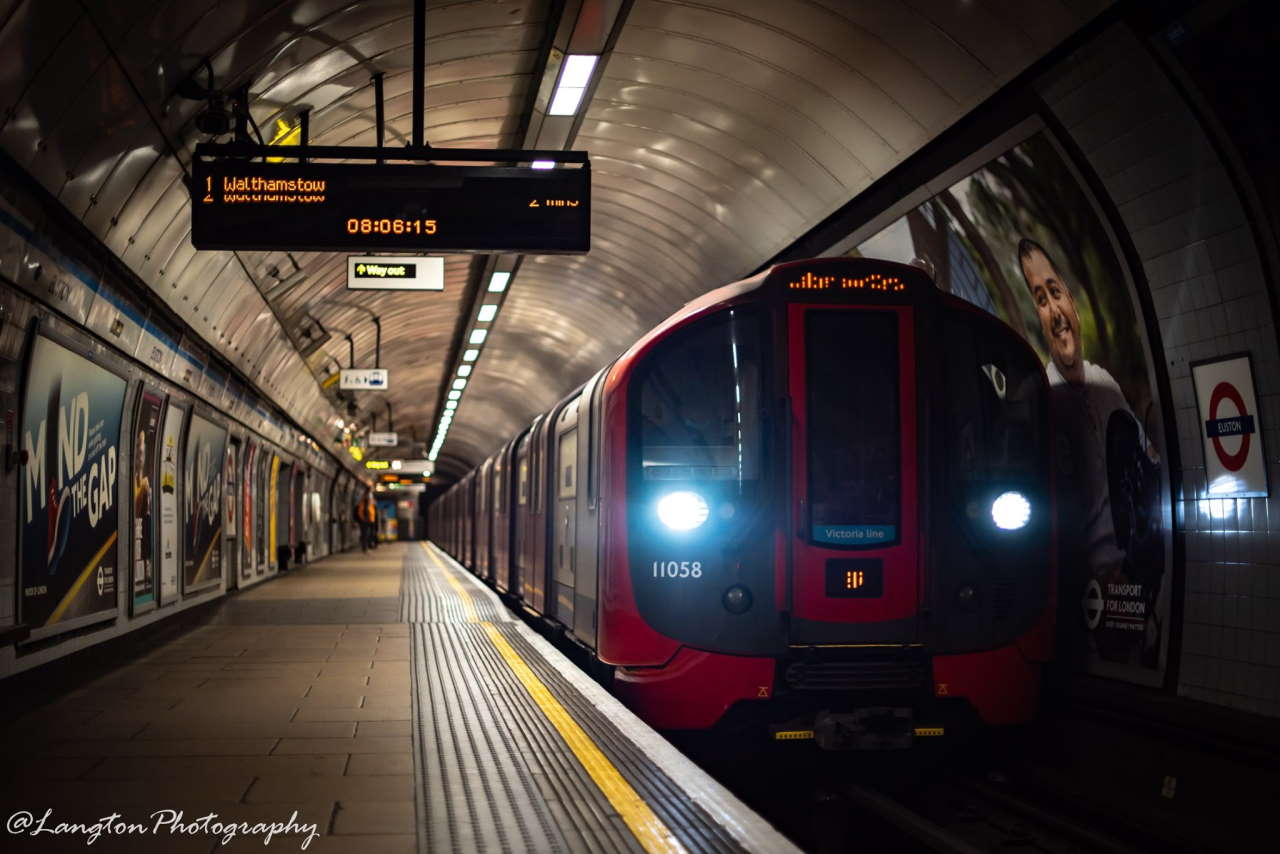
[390, 226]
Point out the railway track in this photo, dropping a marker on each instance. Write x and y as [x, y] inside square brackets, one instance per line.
[960, 816]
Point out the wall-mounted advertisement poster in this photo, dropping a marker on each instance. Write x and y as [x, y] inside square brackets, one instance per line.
[1021, 239]
[202, 505]
[261, 508]
[246, 513]
[273, 499]
[170, 438]
[145, 497]
[71, 417]
[1234, 464]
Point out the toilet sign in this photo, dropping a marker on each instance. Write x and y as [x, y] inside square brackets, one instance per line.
[1235, 466]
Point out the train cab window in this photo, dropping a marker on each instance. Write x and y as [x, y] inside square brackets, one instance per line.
[700, 401]
[854, 442]
[567, 459]
[995, 398]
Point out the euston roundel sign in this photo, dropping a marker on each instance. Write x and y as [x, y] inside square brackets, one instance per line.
[1227, 403]
[1222, 424]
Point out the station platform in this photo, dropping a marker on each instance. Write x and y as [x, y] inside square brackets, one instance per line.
[385, 702]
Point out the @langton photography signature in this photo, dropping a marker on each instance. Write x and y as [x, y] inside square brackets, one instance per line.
[159, 823]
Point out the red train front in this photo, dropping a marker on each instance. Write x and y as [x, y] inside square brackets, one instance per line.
[819, 504]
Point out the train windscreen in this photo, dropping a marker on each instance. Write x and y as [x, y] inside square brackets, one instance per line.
[852, 382]
[700, 403]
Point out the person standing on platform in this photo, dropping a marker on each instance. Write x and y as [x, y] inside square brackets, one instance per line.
[366, 514]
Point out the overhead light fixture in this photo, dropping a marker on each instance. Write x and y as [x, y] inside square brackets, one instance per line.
[470, 355]
[498, 282]
[460, 383]
[542, 164]
[464, 370]
[478, 336]
[487, 312]
[575, 74]
[454, 395]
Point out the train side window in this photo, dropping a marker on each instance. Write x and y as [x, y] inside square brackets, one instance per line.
[567, 458]
[595, 437]
[522, 491]
[497, 485]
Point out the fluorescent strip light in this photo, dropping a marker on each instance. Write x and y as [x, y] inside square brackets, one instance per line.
[454, 395]
[576, 72]
[542, 164]
[574, 77]
[478, 336]
[565, 102]
[487, 312]
[498, 282]
[460, 383]
[470, 355]
[451, 404]
[464, 370]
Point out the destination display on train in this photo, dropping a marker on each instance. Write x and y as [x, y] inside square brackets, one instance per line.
[236, 204]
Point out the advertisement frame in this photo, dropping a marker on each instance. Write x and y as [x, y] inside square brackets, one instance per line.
[185, 590]
[145, 388]
[185, 409]
[36, 328]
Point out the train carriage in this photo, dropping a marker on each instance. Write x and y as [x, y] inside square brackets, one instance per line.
[816, 501]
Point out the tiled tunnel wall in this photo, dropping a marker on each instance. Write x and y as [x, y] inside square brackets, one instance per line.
[1209, 292]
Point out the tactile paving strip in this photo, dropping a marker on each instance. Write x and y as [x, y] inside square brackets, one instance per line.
[494, 773]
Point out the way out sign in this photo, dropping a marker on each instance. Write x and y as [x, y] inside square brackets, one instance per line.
[1235, 466]
[364, 379]
[395, 273]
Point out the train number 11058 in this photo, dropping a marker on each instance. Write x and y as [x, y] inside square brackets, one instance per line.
[677, 569]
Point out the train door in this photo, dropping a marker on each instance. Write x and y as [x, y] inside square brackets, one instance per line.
[855, 564]
[564, 528]
[521, 548]
[501, 520]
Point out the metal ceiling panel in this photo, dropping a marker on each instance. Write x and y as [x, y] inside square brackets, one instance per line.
[719, 131]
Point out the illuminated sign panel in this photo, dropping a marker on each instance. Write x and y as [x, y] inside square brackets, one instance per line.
[237, 204]
[383, 440]
[811, 281]
[364, 379]
[855, 578]
[377, 465]
[395, 273]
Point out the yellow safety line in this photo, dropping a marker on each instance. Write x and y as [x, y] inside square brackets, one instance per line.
[84, 576]
[649, 830]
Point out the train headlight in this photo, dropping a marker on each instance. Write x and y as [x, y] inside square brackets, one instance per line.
[683, 510]
[1011, 511]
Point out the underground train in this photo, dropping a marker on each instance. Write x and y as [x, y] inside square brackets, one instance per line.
[814, 503]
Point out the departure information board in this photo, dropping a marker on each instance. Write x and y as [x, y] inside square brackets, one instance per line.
[237, 204]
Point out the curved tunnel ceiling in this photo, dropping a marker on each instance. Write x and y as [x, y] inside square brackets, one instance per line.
[719, 132]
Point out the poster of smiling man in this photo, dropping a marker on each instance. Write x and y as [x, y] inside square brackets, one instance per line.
[70, 480]
[202, 505]
[1021, 239]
